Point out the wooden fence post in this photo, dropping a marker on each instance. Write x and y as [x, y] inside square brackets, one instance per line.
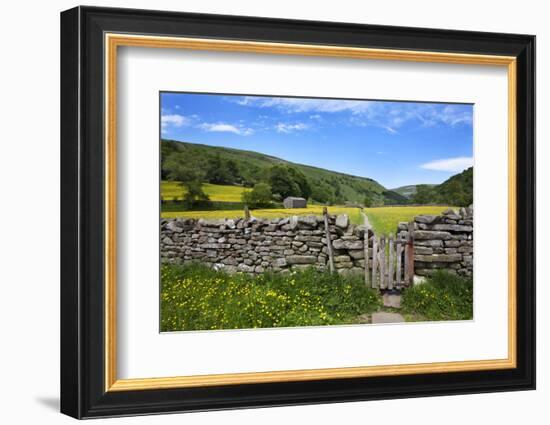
[409, 255]
[374, 260]
[366, 250]
[390, 264]
[382, 261]
[398, 273]
[329, 241]
[246, 213]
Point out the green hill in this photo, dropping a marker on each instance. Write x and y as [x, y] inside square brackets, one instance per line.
[456, 190]
[246, 168]
[408, 191]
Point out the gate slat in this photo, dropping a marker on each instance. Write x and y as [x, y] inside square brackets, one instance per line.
[390, 263]
[382, 261]
[398, 273]
[409, 254]
[366, 250]
[374, 261]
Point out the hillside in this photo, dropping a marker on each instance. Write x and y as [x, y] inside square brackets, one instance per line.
[458, 189]
[408, 191]
[251, 167]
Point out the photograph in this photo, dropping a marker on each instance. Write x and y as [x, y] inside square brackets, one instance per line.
[305, 211]
[262, 211]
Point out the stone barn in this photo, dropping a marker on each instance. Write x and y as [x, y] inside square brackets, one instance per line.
[294, 202]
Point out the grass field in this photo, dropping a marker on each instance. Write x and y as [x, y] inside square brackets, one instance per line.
[354, 213]
[384, 220]
[195, 297]
[170, 191]
[444, 296]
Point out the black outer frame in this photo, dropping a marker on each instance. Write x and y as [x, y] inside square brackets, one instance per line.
[82, 208]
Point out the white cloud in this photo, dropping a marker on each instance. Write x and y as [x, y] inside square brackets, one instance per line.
[289, 128]
[175, 120]
[221, 127]
[450, 164]
[389, 116]
[295, 105]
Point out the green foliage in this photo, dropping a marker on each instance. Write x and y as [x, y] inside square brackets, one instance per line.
[195, 297]
[190, 176]
[394, 198]
[368, 202]
[220, 171]
[322, 192]
[444, 296]
[258, 197]
[282, 183]
[459, 189]
[194, 196]
[425, 194]
[254, 167]
[301, 180]
[221, 165]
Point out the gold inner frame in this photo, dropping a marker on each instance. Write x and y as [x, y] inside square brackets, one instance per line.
[113, 41]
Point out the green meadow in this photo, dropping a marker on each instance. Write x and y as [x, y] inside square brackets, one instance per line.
[384, 220]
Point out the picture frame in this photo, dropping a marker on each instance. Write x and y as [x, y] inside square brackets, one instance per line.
[90, 40]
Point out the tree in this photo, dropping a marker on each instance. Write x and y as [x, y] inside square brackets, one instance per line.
[425, 194]
[322, 192]
[189, 175]
[301, 180]
[217, 171]
[194, 195]
[368, 201]
[233, 170]
[259, 196]
[282, 182]
[458, 189]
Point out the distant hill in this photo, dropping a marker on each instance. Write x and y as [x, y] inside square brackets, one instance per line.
[458, 189]
[408, 191]
[252, 166]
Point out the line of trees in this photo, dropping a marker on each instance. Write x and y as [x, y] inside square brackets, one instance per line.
[457, 191]
[271, 184]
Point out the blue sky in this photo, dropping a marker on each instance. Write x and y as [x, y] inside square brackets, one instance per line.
[395, 143]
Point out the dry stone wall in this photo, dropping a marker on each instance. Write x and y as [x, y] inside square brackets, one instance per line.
[443, 241]
[258, 245]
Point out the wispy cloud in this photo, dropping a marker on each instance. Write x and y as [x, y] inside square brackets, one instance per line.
[175, 120]
[289, 128]
[452, 115]
[449, 164]
[389, 116]
[221, 127]
[170, 121]
[297, 105]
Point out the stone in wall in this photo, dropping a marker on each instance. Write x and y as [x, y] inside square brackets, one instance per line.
[258, 245]
[443, 241]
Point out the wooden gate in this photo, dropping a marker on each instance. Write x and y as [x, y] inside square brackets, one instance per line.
[389, 262]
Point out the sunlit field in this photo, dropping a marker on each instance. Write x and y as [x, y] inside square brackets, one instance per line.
[354, 213]
[171, 191]
[384, 220]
